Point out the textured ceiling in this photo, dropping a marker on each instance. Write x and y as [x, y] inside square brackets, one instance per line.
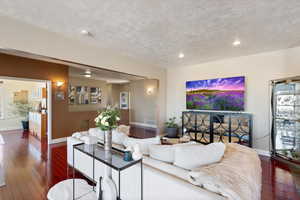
[155, 31]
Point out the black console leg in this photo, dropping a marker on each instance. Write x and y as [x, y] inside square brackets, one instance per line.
[100, 189]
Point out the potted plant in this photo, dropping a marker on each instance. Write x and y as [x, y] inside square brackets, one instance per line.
[22, 109]
[171, 127]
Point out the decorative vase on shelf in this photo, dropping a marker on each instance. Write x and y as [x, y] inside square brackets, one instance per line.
[137, 154]
[127, 156]
[109, 186]
[107, 120]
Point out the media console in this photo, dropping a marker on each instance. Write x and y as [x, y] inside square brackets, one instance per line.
[227, 127]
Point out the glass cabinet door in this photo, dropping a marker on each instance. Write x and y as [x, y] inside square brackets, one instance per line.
[286, 120]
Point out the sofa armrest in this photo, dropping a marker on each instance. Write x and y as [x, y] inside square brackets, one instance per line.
[70, 142]
[80, 134]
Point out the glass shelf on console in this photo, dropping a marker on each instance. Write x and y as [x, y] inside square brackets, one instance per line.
[97, 151]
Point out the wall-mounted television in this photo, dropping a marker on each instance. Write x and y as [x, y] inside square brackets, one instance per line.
[216, 94]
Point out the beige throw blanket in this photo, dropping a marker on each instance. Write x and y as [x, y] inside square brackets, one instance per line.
[237, 176]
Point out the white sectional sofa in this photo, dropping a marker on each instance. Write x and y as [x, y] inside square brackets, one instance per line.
[162, 180]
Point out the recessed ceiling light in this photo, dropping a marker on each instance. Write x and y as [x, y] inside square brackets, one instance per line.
[236, 43]
[180, 55]
[88, 71]
[88, 75]
[85, 32]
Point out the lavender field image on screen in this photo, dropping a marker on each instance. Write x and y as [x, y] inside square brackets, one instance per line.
[216, 94]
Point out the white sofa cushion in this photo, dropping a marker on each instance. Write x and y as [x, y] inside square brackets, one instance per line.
[89, 139]
[96, 132]
[196, 155]
[162, 152]
[124, 129]
[70, 142]
[165, 153]
[118, 137]
[78, 135]
[143, 143]
[166, 168]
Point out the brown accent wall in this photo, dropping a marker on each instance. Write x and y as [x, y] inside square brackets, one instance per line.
[64, 123]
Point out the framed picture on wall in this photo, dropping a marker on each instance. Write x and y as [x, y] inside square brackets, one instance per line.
[124, 100]
[72, 95]
[60, 95]
[96, 95]
[83, 95]
[79, 95]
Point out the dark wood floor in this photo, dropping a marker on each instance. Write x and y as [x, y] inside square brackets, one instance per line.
[29, 176]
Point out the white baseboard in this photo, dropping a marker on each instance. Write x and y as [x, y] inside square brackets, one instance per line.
[11, 128]
[143, 124]
[59, 140]
[263, 152]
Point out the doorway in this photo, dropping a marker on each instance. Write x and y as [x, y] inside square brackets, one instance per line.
[25, 105]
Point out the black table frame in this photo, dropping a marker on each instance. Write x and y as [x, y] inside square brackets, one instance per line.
[108, 164]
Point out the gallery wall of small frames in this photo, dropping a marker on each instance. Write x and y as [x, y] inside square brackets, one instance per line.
[83, 95]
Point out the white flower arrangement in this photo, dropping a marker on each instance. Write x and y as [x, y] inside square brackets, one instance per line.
[108, 119]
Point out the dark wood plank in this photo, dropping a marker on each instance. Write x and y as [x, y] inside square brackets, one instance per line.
[142, 132]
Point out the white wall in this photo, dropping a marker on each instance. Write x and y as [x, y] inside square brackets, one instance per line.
[258, 69]
[143, 106]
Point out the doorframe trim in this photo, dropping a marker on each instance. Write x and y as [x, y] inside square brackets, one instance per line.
[49, 111]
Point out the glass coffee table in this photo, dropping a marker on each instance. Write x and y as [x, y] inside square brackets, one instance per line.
[97, 153]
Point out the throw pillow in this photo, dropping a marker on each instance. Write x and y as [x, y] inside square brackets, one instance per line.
[124, 129]
[97, 132]
[197, 155]
[78, 135]
[143, 143]
[118, 137]
[89, 139]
